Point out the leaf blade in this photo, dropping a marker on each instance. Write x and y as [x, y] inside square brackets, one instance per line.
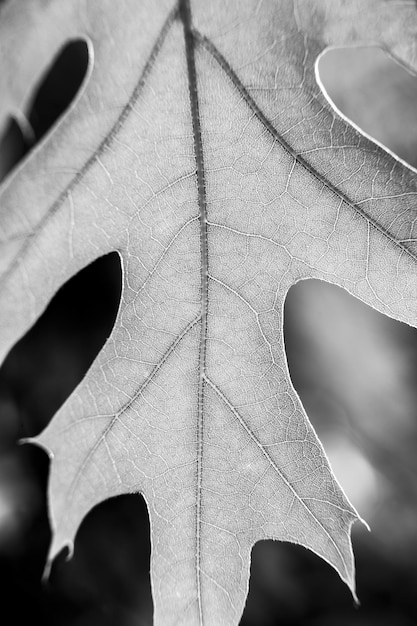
[217, 204]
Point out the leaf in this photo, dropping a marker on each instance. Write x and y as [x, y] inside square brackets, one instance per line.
[202, 150]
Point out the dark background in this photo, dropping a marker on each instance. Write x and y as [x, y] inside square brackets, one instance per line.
[356, 373]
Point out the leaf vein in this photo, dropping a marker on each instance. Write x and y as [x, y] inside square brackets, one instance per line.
[101, 148]
[272, 463]
[116, 417]
[216, 54]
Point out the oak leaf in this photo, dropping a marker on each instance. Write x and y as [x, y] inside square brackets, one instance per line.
[202, 149]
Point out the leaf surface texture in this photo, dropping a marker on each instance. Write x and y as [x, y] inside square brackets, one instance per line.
[203, 150]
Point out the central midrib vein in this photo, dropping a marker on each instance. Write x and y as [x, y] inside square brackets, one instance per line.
[185, 15]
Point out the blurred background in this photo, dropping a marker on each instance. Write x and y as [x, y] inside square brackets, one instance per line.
[354, 369]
